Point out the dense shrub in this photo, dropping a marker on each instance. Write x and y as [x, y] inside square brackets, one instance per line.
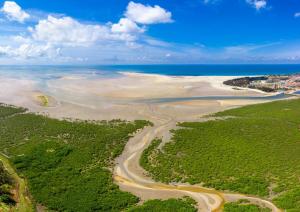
[254, 152]
[237, 207]
[67, 163]
[171, 205]
[6, 185]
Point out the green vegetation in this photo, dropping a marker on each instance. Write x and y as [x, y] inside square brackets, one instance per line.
[6, 111]
[6, 186]
[44, 100]
[244, 207]
[21, 194]
[256, 151]
[67, 164]
[171, 205]
[148, 159]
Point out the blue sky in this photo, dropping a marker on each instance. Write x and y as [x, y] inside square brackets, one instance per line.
[149, 31]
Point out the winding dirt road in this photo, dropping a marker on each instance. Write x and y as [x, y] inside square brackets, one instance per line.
[131, 177]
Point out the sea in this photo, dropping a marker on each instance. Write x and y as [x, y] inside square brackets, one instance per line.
[208, 70]
[173, 70]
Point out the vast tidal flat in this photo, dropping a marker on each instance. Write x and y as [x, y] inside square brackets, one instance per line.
[124, 95]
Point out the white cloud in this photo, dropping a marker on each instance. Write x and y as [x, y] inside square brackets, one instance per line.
[50, 35]
[27, 51]
[14, 12]
[5, 50]
[68, 31]
[142, 14]
[297, 15]
[257, 4]
[63, 38]
[126, 25]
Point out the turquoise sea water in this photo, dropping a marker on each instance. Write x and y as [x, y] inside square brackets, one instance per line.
[46, 72]
[207, 70]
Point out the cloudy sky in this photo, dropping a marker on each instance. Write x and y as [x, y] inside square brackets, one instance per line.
[149, 31]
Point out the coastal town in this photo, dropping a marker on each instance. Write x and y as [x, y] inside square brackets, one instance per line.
[271, 83]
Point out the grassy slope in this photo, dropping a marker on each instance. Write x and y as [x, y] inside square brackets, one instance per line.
[257, 152]
[66, 163]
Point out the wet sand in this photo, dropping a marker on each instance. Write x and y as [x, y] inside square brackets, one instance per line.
[120, 97]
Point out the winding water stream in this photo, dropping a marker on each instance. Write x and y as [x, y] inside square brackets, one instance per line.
[131, 177]
[180, 99]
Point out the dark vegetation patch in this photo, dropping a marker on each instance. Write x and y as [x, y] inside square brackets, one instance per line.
[171, 205]
[244, 207]
[6, 186]
[245, 82]
[7, 110]
[148, 157]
